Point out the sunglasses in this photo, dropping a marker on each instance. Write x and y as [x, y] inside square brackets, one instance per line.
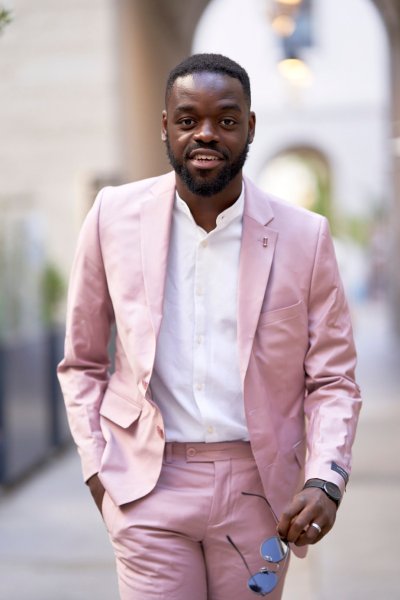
[274, 550]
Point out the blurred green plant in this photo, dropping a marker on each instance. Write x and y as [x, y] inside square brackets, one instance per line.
[360, 228]
[357, 228]
[322, 204]
[5, 18]
[53, 292]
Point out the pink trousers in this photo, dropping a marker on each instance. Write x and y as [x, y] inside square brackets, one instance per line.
[172, 543]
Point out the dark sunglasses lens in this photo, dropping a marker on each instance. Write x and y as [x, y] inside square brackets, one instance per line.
[274, 549]
[262, 583]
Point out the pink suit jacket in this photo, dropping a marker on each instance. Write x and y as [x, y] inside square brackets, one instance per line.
[295, 343]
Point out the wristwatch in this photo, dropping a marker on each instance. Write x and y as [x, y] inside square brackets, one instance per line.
[330, 489]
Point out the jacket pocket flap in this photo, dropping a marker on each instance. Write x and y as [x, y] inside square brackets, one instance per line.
[119, 410]
[280, 314]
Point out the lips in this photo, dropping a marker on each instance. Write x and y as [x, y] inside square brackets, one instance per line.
[205, 158]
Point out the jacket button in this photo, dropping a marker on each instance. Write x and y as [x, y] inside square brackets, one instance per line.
[191, 452]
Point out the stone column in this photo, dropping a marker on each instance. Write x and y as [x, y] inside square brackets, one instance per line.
[395, 253]
[154, 35]
[390, 13]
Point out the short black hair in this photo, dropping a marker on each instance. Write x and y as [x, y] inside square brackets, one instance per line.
[211, 63]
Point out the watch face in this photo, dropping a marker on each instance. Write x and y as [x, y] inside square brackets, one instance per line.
[333, 490]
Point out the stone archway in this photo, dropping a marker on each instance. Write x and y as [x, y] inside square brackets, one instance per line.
[301, 174]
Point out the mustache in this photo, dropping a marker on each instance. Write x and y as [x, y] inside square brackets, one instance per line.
[205, 146]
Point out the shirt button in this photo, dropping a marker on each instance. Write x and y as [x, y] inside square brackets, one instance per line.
[210, 429]
[199, 386]
[145, 384]
[191, 452]
[199, 339]
[204, 243]
[199, 291]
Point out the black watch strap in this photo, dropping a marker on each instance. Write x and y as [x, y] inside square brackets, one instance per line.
[331, 489]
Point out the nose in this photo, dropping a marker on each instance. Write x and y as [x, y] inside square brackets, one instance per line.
[206, 132]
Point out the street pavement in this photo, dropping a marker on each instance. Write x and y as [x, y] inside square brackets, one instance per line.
[53, 545]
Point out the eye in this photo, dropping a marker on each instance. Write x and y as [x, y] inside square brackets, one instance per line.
[228, 122]
[186, 122]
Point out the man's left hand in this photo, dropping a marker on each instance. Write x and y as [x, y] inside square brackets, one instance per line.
[311, 505]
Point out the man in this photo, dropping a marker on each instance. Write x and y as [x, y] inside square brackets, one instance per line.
[233, 334]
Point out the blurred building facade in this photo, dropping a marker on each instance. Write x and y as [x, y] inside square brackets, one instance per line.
[81, 94]
[58, 134]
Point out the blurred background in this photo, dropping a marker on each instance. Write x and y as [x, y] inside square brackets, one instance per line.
[81, 95]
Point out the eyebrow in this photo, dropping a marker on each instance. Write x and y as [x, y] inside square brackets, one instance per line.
[183, 108]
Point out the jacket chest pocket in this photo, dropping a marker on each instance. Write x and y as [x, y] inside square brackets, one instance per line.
[280, 346]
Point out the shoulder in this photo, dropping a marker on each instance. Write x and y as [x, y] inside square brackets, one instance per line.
[289, 214]
[136, 191]
[284, 216]
[113, 204]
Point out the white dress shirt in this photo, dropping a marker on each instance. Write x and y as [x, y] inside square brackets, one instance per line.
[196, 379]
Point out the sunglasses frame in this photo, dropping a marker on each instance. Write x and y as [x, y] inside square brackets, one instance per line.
[252, 583]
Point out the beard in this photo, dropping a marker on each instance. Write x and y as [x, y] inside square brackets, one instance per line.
[199, 185]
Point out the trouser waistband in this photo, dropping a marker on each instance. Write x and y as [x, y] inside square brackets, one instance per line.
[207, 452]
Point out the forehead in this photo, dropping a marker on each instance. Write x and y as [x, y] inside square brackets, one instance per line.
[213, 88]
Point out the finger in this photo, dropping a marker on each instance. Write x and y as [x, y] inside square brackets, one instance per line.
[299, 526]
[302, 540]
[290, 512]
[313, 533]
[306, 538]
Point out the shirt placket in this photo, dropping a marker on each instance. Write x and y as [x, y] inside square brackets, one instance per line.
[202, 267]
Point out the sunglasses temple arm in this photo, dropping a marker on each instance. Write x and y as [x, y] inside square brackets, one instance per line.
[265, 500]
[232, 543]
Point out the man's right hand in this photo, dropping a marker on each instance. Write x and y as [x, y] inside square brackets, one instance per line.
[97, 490]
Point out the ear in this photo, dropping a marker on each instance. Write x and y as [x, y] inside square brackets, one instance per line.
[164, 122]
[252, 126]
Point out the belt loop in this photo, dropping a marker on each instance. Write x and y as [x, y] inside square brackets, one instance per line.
[168, 452]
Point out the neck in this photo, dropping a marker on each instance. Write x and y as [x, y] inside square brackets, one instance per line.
[205, 209]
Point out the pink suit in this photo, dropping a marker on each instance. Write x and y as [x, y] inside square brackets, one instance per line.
[295, 343]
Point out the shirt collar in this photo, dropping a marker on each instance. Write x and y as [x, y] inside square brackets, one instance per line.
[224, 218]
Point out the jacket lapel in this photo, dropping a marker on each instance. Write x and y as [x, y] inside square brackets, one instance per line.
[155, 225]
[256, 254]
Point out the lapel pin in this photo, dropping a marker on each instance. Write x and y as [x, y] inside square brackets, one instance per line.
[265, 242]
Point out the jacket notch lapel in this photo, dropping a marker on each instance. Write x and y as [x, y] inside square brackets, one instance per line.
[256, 255]
[155, 225]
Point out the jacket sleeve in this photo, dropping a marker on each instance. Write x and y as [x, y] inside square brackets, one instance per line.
[84, 371]
[333, 400]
